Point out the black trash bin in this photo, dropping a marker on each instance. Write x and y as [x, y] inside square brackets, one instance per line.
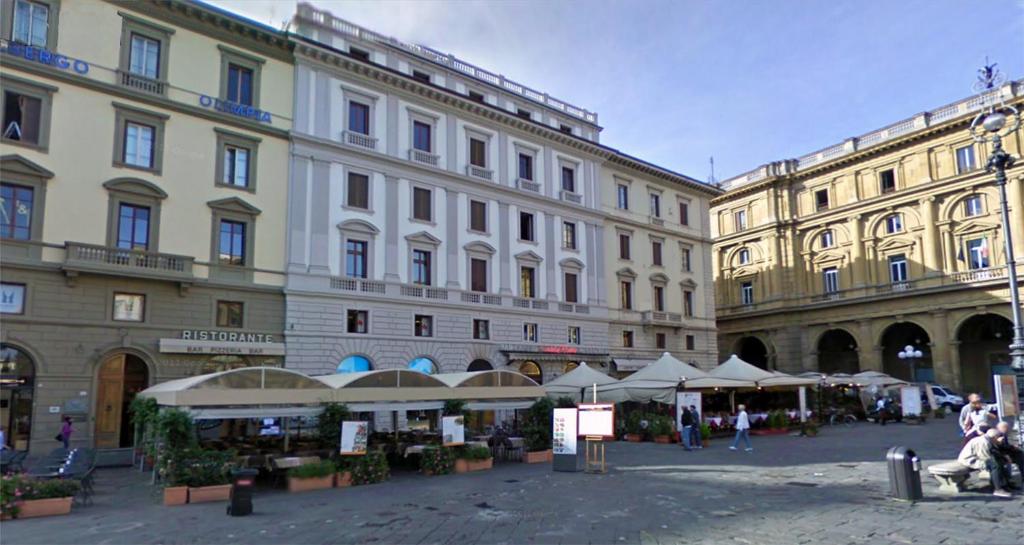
[242, 483]
[904, 474]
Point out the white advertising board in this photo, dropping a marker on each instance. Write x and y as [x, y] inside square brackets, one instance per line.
[597, 419]
[686, 399]
[910, 399]
[453, 431]
[353, 438]
[563, 432]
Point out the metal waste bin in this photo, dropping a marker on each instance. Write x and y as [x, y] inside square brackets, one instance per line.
[242, 483]
[904, 474]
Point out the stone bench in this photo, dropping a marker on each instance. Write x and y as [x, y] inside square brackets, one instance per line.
[953, 475]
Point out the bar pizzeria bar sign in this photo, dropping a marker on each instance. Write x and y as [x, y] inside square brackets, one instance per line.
[239, 343]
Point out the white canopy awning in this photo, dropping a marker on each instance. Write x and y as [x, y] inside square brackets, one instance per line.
[782, 379]
[573, 383]
[736, 369]
[657, 382]
[624, 364]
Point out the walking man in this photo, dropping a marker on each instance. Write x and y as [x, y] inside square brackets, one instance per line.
[686, 421]
[695, 438]
[742, 429]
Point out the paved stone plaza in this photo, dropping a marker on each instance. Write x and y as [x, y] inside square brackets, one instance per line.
[830, 489]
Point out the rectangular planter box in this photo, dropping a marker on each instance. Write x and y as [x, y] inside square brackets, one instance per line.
[634, 437]
[663, 439]
[44, 508]
[479, 465]
[769, 431]
[220, 492]
[539, 457]
[461, 466]
[314, 483]
[176, 495]
[343, 479]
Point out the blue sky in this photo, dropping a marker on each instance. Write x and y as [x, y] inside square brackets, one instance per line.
[676, 82]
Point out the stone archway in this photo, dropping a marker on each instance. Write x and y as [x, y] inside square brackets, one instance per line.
[984, 341]
[18, 374]
[753, 351]
[893, 341]
[838, 352]
[118, 379]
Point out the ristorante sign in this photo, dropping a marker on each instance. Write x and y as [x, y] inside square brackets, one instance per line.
[240, 343]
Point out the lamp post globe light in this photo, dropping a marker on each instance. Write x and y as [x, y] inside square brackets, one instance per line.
[995, 121]
[910, 354]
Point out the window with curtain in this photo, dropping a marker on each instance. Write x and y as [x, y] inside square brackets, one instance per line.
[31, 23]
[21, 117]
[236, 166]
[144, 59]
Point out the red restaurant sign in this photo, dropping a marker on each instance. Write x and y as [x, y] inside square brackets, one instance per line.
[558, 349]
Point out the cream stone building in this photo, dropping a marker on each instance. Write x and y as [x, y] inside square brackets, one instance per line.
[835, 261]
[658, 252]
[144, 174]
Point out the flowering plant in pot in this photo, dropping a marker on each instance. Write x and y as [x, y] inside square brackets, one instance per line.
[315, 476]
[437, 460]
[24, 497]
[370, 468]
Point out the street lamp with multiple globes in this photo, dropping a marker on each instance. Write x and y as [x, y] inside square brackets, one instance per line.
[911, 354]
[994, 122]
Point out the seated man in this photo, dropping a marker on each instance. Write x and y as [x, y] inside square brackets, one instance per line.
[979, 453]
[1005, 449]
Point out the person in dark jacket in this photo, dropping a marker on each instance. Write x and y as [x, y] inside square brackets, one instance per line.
[687, 421]
[695, 434]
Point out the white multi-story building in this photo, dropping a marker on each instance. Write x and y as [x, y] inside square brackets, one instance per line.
[440, 216]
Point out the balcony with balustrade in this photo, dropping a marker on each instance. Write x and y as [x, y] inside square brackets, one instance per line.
[90, 258]
[141, 83]
[424, 157]
[359, 140]
[472, 299]
[479, 172]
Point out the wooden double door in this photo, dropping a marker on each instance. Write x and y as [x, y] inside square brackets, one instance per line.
[119, 378]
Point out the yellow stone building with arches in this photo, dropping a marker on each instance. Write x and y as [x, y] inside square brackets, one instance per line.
[835, 261]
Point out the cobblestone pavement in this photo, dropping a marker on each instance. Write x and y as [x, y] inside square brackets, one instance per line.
[829, 489]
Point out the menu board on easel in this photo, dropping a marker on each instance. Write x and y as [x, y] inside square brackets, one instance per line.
[453, 431]
[353, 438]
[597, 420]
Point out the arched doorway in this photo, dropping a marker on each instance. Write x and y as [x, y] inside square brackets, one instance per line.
[984, 351]
[354, 364]
[897, 337]
[17, 388]
[423, 365]
[532, 370]
[120, 377]
[479, 365]
[569, 366]
[753, 351]
[837, 353]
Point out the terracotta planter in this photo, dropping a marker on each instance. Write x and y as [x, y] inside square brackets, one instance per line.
[538, 457]
[313, 483]
[44, 508]
[343, 479]
[176, 495]
[479, 465]
[634, 437]
[220, 492]
[461, 466]
[663, 439]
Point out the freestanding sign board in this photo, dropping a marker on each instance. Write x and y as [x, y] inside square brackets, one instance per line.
[353, 438]
[563, 440]
[453, 431]
[1007, 400]
[910, 399]
[597, 420]
[684, 400]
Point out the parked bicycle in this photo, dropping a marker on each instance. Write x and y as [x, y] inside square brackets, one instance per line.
[839, 416]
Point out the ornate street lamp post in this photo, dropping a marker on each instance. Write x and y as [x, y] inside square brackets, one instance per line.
[995, 121]
[910, 354]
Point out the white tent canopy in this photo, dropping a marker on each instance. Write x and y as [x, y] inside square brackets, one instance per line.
[782, 379]
[573, 383]
[736, 369]
[660, 380]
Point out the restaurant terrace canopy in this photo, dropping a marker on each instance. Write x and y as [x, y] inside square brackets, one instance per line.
[660, 380]
[251, 392]
[575, 382]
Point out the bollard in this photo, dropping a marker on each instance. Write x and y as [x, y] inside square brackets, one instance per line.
[243, 481]
[904, 474]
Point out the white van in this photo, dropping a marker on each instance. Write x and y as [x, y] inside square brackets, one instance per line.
[945, 397]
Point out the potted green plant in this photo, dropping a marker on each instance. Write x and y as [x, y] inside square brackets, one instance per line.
[476, 458]
[634, 430]
[205, 473]
[343, 471]
[370, 468]
[537, 432]
[437, 460]
[661, 429]
[328, 425]
[9, 494]
[705, 433]
[314, 476]
[809, 429]
[39, 498]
